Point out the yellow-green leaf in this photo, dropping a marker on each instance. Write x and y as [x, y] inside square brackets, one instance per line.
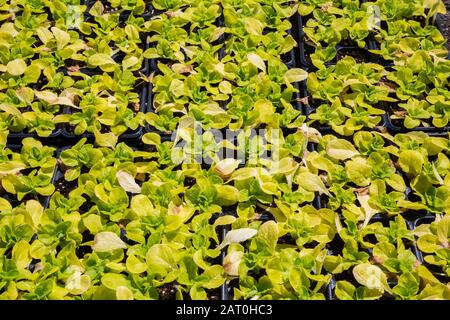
[257, 61]
[134, 265]
[253, 26]
[100, 59]
[341, 149]
[107, 241]
[296, 75]
[311, 182]
[16, 67]
[123, 293]
[127, 182]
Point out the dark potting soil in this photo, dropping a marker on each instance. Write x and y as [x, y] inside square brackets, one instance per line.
[64, 187]
[168, 292]
[359, 55]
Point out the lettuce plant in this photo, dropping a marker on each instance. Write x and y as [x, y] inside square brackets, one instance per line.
[433, 240]
[30, 171]
[402, 38]
[268, 270]
[347, 96]
[334, 23]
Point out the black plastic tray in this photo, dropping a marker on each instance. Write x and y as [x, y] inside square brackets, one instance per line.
[118, 57]
[226, 290]
[150, 96]
[153, 68]
[303, 52]
[124, 14]
[397, 129]
[221, 40]
[419, 254]
[390, 125]
[438, 23]
[371, 44]
[310, 108]
[44, 201]
[320, 200]
[148, 101]
[411, 245]
[62, 131]
[129, 135]
[386, 121]
[20, 135]
[288, 58]
[291, 63]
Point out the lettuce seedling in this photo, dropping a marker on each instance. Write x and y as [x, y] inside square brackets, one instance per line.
[290, 273]
[39, 162]
[79, 156]
[348, 95]
[433, 240]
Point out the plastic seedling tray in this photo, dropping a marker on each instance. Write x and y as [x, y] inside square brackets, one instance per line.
[135, 135]
[129, 135]
[44, 201]
[438, 23]
[119, 56]
[344, 49]
[221, 40]
[148, 101]
[311, 106]
[124, 14]
[396, 125]
[435, 270]
[226, 290]
[361, 55]
[289, 57]
[14, 136]
[150, 98]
